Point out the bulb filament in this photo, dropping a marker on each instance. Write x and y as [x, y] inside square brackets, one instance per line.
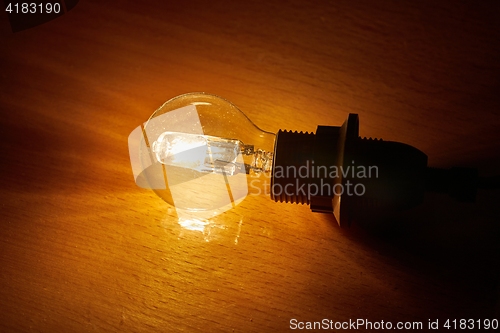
[210, 154]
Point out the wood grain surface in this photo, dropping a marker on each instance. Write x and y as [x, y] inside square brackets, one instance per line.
[83, 249]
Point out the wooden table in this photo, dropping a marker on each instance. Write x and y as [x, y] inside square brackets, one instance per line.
[83, 249]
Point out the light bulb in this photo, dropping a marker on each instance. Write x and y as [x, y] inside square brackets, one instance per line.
[200, 153]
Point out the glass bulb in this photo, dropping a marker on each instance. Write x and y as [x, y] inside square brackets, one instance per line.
[200, 153]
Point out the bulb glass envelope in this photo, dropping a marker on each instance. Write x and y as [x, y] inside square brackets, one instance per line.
[190, 153]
